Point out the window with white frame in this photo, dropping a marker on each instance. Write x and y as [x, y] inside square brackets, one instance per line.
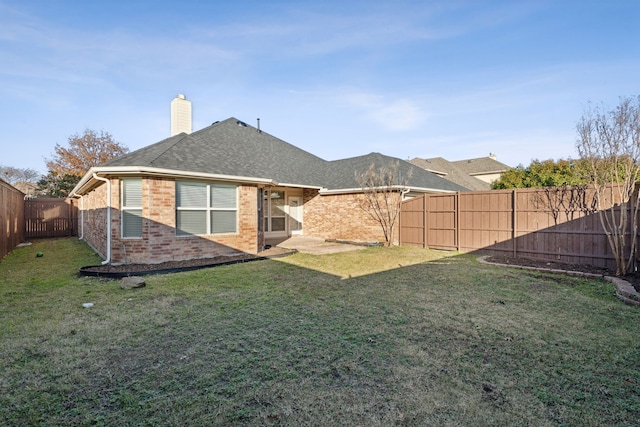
[206, 208]
[131, 207]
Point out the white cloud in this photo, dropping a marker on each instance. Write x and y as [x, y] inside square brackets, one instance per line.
[399, 114]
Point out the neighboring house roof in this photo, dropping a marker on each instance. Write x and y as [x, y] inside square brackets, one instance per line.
[234, 149]
[28, 188]
[343, 173]
[451, 172]
[481, 166]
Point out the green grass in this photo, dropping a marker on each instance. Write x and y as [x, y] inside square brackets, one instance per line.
[383, 336]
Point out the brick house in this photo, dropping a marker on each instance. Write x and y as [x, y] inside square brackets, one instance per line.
[224, 189]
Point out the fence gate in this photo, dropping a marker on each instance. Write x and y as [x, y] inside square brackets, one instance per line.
[50, 218]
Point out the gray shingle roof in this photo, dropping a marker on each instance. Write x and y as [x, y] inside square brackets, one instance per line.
[231, 147]
[452, 171]
[481, 165]
[343, 173]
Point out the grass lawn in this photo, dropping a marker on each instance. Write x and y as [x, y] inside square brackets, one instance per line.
[383, 336]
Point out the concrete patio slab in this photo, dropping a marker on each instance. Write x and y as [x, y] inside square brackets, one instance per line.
[316, 246]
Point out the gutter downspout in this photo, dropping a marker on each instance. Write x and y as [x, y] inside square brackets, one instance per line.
[81, 217]
[108, 181]
[81, 226]
[402, 194]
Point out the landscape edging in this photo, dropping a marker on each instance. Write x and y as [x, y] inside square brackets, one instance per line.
[86, 270]
[624, 291]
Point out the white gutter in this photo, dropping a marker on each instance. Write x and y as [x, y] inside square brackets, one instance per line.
[108, 181]
[400, 188]
[172, 173]
[314, 187]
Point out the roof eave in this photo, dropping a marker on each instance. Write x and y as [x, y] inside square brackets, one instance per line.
[437, 172]
[487, 172]
[111, 171]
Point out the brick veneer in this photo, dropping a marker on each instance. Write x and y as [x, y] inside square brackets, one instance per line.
[93, 215]
[339, 216]
[159, 242]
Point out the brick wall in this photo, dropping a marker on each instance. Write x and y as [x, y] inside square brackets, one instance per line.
[93, 219]
[159, 242]
[339, 216]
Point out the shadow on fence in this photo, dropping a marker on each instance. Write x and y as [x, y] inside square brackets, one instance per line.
[11, 218]
[554, 224]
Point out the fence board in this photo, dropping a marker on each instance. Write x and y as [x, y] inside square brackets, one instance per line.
[412, 214]
[441, 220]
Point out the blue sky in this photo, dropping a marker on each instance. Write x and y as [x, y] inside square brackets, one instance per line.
[457, 79]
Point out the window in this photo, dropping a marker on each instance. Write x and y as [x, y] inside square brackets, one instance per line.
[131, 207]
[206, 208]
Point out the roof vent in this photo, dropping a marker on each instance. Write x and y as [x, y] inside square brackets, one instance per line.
[239, 123]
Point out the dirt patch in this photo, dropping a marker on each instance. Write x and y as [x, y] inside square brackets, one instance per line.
[633, 278]
[122, 270]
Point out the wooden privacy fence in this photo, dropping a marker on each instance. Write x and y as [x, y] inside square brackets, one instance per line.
[545, 223]
[11, 218]
[47, 217]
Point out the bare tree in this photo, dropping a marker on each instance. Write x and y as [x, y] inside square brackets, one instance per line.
[610, 143]
[381, 198]
[15, 175]
[570, 199]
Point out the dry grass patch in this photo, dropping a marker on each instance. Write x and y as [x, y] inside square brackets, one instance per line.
[427, 340]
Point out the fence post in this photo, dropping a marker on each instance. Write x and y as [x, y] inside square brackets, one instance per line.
[426, 220]
[514, 222]
[69, 221]
[425, 223]
[457, 219]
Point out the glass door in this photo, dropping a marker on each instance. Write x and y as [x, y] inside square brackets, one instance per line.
[274, 208]
[295, 215]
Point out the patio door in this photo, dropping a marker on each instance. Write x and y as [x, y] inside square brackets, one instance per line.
[295, 215]
[275, 215]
